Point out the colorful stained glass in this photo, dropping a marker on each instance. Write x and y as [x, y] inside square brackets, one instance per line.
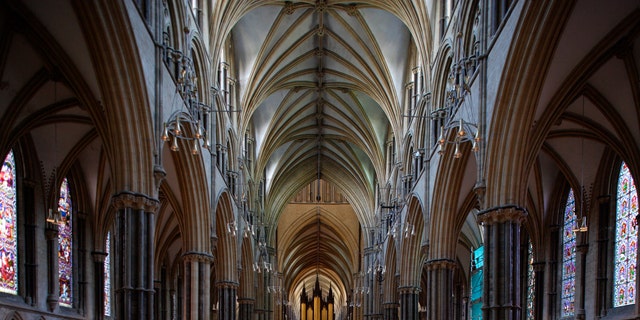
[531, 283]
[569, 257]
[65, 245]
[626, 240]
[8, 227]
[107, 277]
[476, 283]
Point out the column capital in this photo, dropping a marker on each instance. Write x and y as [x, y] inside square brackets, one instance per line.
[193, 256]
[409, 290]
[248, 301]
[441, 264]
[127, 199]
[98, 256]
[227, 284]
[506, 213]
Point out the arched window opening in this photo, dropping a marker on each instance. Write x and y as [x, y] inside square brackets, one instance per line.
[477, 267]
[107, 276]
[8, 227]
[626, 240]
[569, 256]
[65, 245]
[531, 283]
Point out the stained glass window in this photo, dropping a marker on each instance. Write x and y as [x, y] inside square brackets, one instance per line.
[65, 245]
[107, 276]
[626, 240]
[8, 227]
[569, 256]
[477, 265]
[531, 283]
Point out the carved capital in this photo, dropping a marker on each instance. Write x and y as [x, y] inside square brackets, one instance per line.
[135, 200]
[408, 290]
[510, 213]
[227, 285]
[440, 264]
[193, 256]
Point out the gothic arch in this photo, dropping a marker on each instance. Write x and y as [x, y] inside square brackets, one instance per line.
[445, 208]
[247, 289]
[506, 156]
[390, 291]
[192, 181]
[411, 246]
[126, 101]
[226, 255]
[15, 315]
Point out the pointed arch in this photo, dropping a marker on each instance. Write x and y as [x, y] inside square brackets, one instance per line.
[626, 239]
[8, 226]
[246, 289]
[410, 247]
[568, 256]
[226, 253]
[65, 244]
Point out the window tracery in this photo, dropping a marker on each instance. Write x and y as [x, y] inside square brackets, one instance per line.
[626, 237]
[8, 227]
[65, 245]
[569, 256]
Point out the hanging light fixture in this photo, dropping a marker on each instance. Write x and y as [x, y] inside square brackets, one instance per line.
[581, 220]
[456, 96]
[194, 118]
[53, 215]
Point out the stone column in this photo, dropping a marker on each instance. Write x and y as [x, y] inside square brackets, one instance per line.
[501, 283]
[227, 292]
[465, 307]
[367, 306]
[550, 303]
[31, 247]
[53, 285]
[637, 304]
[409, 302]
[98, 289]
[602, 240]
[538, 302]
[197, 275]
[440, 291]
[133, 248]
[581, 261]
[246, 308]
[391, 311]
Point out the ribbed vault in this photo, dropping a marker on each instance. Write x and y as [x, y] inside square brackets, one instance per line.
[320, 86]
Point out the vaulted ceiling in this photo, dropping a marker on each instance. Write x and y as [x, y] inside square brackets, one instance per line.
[323, 84]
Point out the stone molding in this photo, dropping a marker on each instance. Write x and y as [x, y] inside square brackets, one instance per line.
[193, 256]
[508, 213]
[138, 201]
[409, 290]
[98, 256]
[437, 264]
[227, 284]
